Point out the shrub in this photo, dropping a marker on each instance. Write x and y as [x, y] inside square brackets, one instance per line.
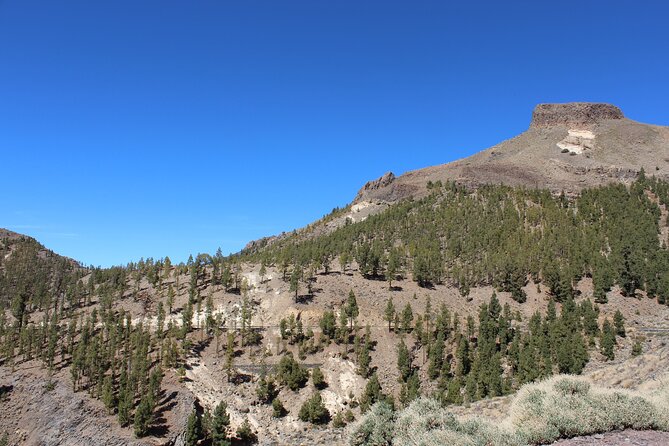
[245, 434]
[338, 420]
[543, 412]
[376, 428]
[564, 407]
[318, 379]
[278, 410]
[266, 390]
[314, 411]
[291, 373]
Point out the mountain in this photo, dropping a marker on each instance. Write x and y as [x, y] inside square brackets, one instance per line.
[567, 147]
[441, 282]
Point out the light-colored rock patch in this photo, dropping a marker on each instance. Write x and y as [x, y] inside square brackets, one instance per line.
[577, 141]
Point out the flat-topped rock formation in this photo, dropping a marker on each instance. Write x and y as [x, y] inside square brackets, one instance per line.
[573, 114]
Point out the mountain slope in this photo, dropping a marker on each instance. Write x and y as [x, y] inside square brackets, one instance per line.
[567, 147]
[31, 273]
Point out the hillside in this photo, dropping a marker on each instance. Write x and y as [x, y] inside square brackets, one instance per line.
[566, 147]
[440, 283]
[30, 274]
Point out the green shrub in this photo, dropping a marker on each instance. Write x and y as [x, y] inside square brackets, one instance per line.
[245, 434]
[338, 420]
[318, 378]
[566, 406]
[314, 411]
[266, 390]
[278, 410]
[291, 373]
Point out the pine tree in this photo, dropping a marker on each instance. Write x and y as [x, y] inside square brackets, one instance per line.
[245, 434]
[351, 308]
[124, 406]
[266, 390]
[219, 425]
[407, 318]
[389, 314]
[410, 390]
[230, 356]
[403, 361]
[291, 373]
[108, 397]
[278, 410]
[193, 429]
[328, 324]
[454, 395]
[170, 298]
[619, 323]
[607, 341]
[462, 359]
[263, 271]
[295, 278]
[392, 267]
[318, 379]
[143, 416]
[314, 411]
[371, 394]
[436, 357]
[364, 358]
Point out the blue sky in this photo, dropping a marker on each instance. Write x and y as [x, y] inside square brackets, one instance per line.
[136, 129]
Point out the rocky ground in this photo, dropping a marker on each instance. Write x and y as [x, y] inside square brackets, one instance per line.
[622, 438]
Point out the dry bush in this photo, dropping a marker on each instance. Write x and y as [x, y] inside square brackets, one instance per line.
[559, 407]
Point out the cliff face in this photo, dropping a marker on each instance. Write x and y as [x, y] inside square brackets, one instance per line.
[573, 114]
[567, 147]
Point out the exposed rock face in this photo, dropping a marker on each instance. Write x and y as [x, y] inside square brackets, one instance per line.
[379, 183]
[384, 183]
[573, 114]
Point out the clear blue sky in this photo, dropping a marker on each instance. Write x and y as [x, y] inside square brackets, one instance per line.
[136, 129]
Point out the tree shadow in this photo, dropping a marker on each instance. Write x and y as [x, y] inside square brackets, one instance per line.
[241, 378]
[427, 285]
[159, 428]
[5, 390]
[304, 298]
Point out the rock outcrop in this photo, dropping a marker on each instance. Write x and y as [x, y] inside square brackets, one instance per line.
[573, 114]
[377, 184]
